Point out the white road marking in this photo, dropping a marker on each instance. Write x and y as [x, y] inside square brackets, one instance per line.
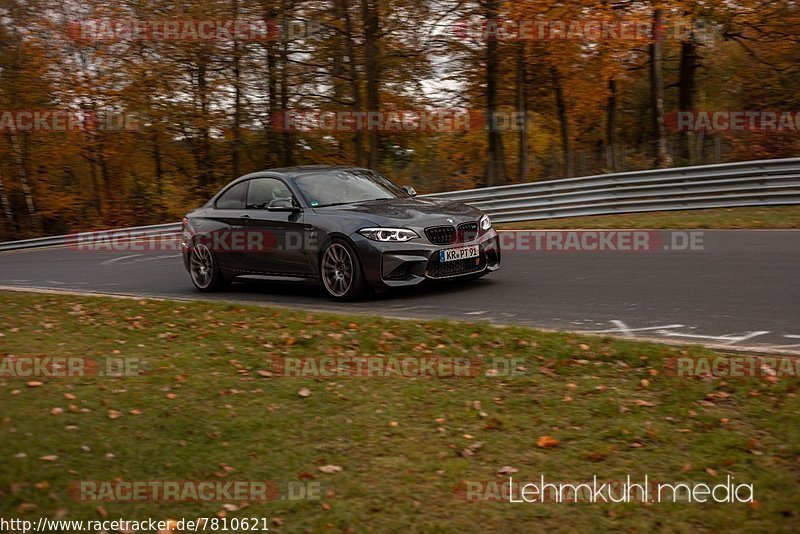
[788, 336]
[370, 313]
[622, 328]
[667, 331]
[727, 339]
[115, 260]
[133, 260]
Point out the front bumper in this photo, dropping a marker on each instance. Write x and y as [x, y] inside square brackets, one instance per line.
[411, 263]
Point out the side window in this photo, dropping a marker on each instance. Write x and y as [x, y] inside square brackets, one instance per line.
[233, 198]
[263, 191]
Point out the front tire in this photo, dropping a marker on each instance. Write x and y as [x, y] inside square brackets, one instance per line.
[341, 272]
[204, 269]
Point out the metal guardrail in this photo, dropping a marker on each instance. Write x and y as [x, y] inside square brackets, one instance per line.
[749, 183]
[62, 240]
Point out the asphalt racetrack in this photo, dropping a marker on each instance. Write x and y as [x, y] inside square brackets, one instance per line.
[741, 291]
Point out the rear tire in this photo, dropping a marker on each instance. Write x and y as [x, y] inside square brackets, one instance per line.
[341, 272]
[204, 269]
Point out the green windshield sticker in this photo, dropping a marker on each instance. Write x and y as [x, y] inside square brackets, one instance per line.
[314, 203]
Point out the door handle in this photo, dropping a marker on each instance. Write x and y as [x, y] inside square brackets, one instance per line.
[245, 216]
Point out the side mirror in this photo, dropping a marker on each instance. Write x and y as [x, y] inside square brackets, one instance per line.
[283, 204]
[410, 190]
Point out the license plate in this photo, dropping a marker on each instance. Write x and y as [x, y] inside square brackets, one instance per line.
[463, 253]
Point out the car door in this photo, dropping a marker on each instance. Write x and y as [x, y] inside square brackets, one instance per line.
[222, 221]
[277, 236]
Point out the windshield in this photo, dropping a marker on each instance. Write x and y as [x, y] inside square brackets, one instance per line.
[346, 187]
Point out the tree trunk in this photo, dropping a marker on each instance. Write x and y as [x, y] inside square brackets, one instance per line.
[355, 83]
[158, 169]
[7, 215]
[495, 168]
[287, 137]
[236, 128]
[563, 119]
[611, 126]
[272, 99]
[202, 154]
[686, 92]
[663, 158]
[372, 69]
[522, 112]
[22, 176]
[338, 53]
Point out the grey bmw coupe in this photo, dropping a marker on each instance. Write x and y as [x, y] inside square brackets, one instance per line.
[346, 228]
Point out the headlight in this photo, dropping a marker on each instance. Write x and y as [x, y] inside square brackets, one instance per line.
[485, 223]
[389, 234]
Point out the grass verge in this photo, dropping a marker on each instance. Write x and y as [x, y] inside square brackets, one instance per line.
[775, 217]
[203, 411]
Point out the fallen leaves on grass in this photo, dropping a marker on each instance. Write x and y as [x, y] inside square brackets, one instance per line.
[304, 392]
[330, 469]
[471, 449]
[546, 442]
[507, 470]
[49, 458]
[26, 507]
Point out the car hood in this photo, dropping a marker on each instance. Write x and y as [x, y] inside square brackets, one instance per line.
[410, 212]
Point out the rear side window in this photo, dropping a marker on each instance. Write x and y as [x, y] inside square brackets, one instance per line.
[233, 198]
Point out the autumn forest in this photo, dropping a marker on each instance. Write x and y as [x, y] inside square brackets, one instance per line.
[123, 113]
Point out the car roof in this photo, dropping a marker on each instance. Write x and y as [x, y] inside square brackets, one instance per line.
[300, 170]
[286, 172]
